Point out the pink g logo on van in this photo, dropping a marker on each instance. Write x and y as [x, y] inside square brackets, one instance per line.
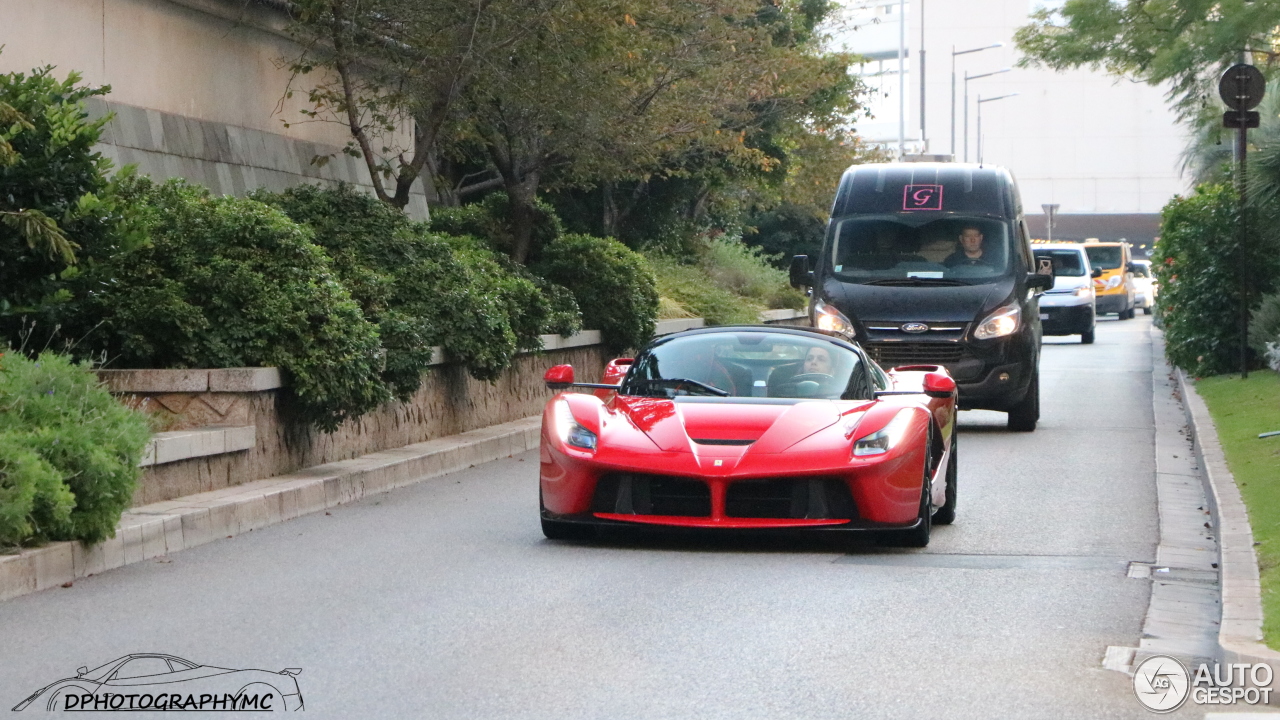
[922, 197]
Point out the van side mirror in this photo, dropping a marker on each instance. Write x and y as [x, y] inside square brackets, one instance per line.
[1097, 273]
[801, 275]
[1036, 281]
[1131, 267]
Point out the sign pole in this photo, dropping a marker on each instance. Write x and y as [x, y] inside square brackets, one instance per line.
[1241, 87]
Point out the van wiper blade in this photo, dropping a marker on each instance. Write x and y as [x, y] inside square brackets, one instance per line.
[914, 282]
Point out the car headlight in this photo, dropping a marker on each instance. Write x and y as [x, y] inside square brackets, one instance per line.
[884, 439]
[570, 432]
[827, 317]
[1003, 321]
[1114, 282]
[1082, 291]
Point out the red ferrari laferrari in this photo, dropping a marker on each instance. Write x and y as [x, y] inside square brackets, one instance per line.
[752, 428]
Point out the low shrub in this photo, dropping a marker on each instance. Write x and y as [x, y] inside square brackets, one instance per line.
[230, 282]
[749, 272]
[612, 284]
[423, 289]
[1198, 265]
[488, 220]
[69, 452]
[1264, 330]
[686, 287]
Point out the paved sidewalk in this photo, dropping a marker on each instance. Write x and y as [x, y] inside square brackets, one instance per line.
[161, 528]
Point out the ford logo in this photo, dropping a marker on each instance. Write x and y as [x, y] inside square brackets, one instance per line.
[914, 328]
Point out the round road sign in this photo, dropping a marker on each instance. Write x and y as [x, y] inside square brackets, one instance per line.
[1241, 87]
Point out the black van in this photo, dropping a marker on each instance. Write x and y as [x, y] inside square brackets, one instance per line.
[930, 264]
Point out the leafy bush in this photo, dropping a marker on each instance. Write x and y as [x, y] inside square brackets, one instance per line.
[749, 272]
[1264, 331]
[57, 204]
[488, 220]
[787, 230]
[687, 288]
[423, 289]
[230, 282]
[69, 452]
[1198, 267]
[613, 285]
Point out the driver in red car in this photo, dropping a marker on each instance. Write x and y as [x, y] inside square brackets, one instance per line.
[818, 360]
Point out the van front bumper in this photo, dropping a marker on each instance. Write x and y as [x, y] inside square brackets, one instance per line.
[1116, 303]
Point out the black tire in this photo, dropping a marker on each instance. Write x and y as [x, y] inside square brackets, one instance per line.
[1086, 337]
[1126, 314]
[1146, 311]
[947, 513]
[561, 530]
[1024, 416]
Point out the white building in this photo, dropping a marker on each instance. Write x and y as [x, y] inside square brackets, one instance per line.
[1106, 150]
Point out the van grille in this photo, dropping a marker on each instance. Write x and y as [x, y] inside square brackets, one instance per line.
[890, 354]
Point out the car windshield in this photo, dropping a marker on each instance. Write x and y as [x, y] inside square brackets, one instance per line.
[1068, 263]
[1106, 257]
[914, 249]
[748, 364]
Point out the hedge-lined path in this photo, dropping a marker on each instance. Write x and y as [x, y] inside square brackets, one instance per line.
[443, 600]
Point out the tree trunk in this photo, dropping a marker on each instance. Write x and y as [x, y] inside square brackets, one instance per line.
[521, 196]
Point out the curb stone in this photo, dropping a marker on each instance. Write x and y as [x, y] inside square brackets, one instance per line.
[149, 531]
[1240, 635]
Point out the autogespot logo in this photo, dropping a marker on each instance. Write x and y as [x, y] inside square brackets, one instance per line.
[1161, 683]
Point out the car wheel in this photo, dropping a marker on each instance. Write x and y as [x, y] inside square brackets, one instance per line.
[1086, 337]
[1024, 416]
[947, 513]
[561, 530]
[1146, 310]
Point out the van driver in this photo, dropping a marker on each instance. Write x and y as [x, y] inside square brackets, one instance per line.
[971, 250]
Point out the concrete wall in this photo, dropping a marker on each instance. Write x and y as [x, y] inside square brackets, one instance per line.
[198, 88]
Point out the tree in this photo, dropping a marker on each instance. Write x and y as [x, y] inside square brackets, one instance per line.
[1185, 43]
[392, 72]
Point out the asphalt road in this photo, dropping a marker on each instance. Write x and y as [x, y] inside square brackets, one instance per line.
[443, 600]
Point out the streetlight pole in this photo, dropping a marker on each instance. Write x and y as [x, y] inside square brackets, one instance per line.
[954, 53]
[967, 78]
[924, 142]
[980, 101]
[902, 78]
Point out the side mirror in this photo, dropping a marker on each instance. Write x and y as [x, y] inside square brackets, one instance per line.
[80, 671]
[1131, 267]
[1036, 281]
[801, 275]
[559, 377]
[1097, 273]
[939, 385]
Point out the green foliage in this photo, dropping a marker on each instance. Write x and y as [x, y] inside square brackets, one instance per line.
[1183, 44]
[613, 285]
[489, 221]
[724, 281]
[692, 296]
[1264, 330]
[424, 289]
[56, 201]
[69, 452]
[230, 282]
[749, 272]
[1199, 266]
[787, 230]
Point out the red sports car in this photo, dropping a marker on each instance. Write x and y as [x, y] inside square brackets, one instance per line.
[751, 428]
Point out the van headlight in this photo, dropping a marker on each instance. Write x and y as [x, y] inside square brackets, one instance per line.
[1082, 291]
[827, 317]
[1114, 282]
[884, 439]
[1003, 321]
[570, 432]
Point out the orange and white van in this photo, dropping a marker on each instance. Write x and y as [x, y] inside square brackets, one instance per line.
[1114, 289]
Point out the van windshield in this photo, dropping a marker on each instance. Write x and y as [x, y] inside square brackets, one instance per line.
[1069, 263]
[1106, 257]
[888, 249]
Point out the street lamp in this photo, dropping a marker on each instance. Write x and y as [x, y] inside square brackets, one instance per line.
[980, 101]
[967, 78]
[954, 53]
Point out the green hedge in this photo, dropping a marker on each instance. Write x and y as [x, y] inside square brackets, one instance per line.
[69, 452]
[230, 282]
[1197, 264]
[613, 285]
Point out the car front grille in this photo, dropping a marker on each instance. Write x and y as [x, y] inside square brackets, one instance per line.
[650, 494]
[891, 354]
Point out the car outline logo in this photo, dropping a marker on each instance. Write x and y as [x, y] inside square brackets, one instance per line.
[914, 328]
